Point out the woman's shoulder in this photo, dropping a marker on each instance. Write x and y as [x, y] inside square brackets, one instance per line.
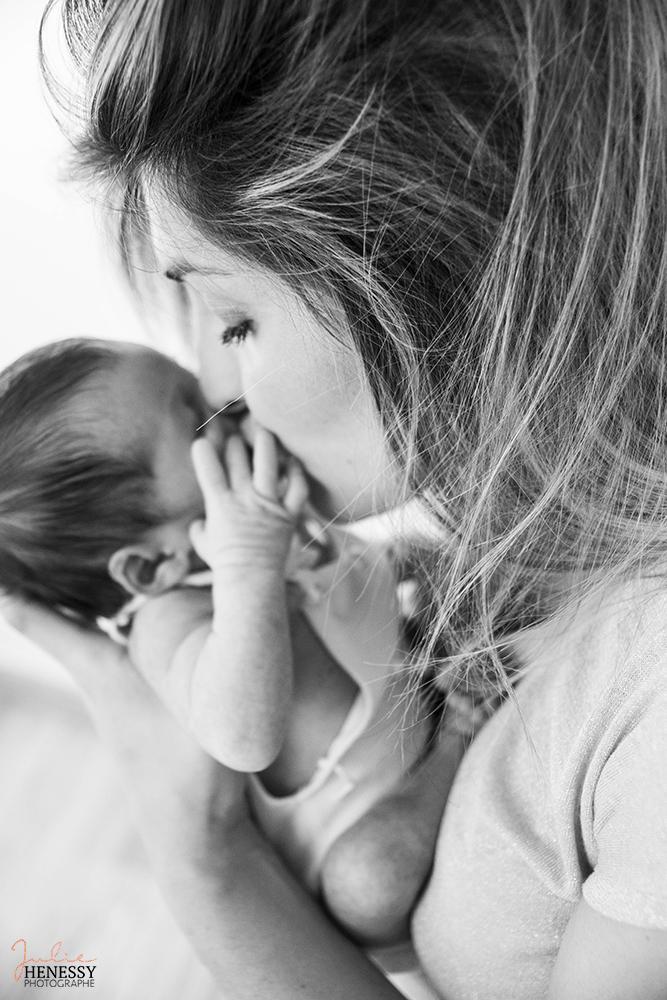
[613, 639]
[587, 718]
[562, 791]
[585, 684]
[161, 622]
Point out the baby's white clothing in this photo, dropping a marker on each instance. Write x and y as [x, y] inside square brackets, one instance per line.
[351, 602]
[562, 795]
[351, 605]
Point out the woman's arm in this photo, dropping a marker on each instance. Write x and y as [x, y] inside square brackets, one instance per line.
[603, 959]
[258, 932]
[250, 921]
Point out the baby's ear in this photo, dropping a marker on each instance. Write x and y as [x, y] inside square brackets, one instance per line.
[141, 569]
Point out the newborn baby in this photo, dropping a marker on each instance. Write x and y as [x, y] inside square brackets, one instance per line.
[283, 660]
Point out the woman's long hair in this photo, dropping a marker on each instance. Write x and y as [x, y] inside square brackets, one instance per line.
[482, 186]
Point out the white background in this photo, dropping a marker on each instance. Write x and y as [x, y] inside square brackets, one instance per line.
[57, 274]
[71, 867]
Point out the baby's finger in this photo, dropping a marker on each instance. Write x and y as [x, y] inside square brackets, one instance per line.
[217, 431]
[296, 490]
[265, 464]
[237, 463]
[210, 473]
[197, 532]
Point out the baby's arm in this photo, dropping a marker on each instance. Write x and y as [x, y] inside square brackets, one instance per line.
[241, 675]
[230, 678]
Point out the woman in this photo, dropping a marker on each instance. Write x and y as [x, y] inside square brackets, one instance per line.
[428, 245]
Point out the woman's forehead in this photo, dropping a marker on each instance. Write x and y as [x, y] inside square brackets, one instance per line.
[183, 253]
[179, 245]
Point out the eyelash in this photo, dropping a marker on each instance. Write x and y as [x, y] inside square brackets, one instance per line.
[236, 334]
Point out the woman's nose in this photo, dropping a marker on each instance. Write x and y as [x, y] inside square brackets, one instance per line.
[221, 386]
[219, 374]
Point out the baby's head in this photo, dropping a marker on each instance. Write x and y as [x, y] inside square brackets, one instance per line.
[97, 488]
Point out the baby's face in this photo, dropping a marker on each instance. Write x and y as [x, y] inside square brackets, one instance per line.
[155, 400]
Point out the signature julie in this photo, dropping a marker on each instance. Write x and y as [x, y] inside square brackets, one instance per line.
[55, 957]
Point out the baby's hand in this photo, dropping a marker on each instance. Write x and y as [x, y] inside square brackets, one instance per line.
[250, 513]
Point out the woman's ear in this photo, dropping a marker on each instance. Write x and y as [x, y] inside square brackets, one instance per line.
[141, 569]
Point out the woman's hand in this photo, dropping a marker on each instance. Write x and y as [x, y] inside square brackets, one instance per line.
[254, 927]
[179, 793]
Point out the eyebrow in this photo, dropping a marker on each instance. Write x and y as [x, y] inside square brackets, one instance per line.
[179, 270]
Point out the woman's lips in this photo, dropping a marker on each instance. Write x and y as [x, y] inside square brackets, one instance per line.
[317, 493]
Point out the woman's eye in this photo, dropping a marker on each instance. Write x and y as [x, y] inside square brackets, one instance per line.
[236, 334]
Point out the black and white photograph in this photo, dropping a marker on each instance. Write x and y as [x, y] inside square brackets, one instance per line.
[333, 499]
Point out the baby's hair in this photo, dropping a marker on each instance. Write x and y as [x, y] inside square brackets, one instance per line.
[67, 502]
[481, 185]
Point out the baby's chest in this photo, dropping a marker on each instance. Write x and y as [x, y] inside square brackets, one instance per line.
[323, 696]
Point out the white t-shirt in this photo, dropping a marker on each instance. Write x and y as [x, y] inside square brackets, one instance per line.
[562, 794]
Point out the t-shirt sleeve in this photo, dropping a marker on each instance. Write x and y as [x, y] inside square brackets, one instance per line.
[629, 878]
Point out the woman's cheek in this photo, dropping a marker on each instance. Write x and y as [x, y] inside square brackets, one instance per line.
[306, 409]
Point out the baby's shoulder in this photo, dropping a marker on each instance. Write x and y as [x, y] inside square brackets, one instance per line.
[181, 601]
[165, 620]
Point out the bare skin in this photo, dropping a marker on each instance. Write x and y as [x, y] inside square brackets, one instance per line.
[229, 673]
[374, 872]
[235, 900]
